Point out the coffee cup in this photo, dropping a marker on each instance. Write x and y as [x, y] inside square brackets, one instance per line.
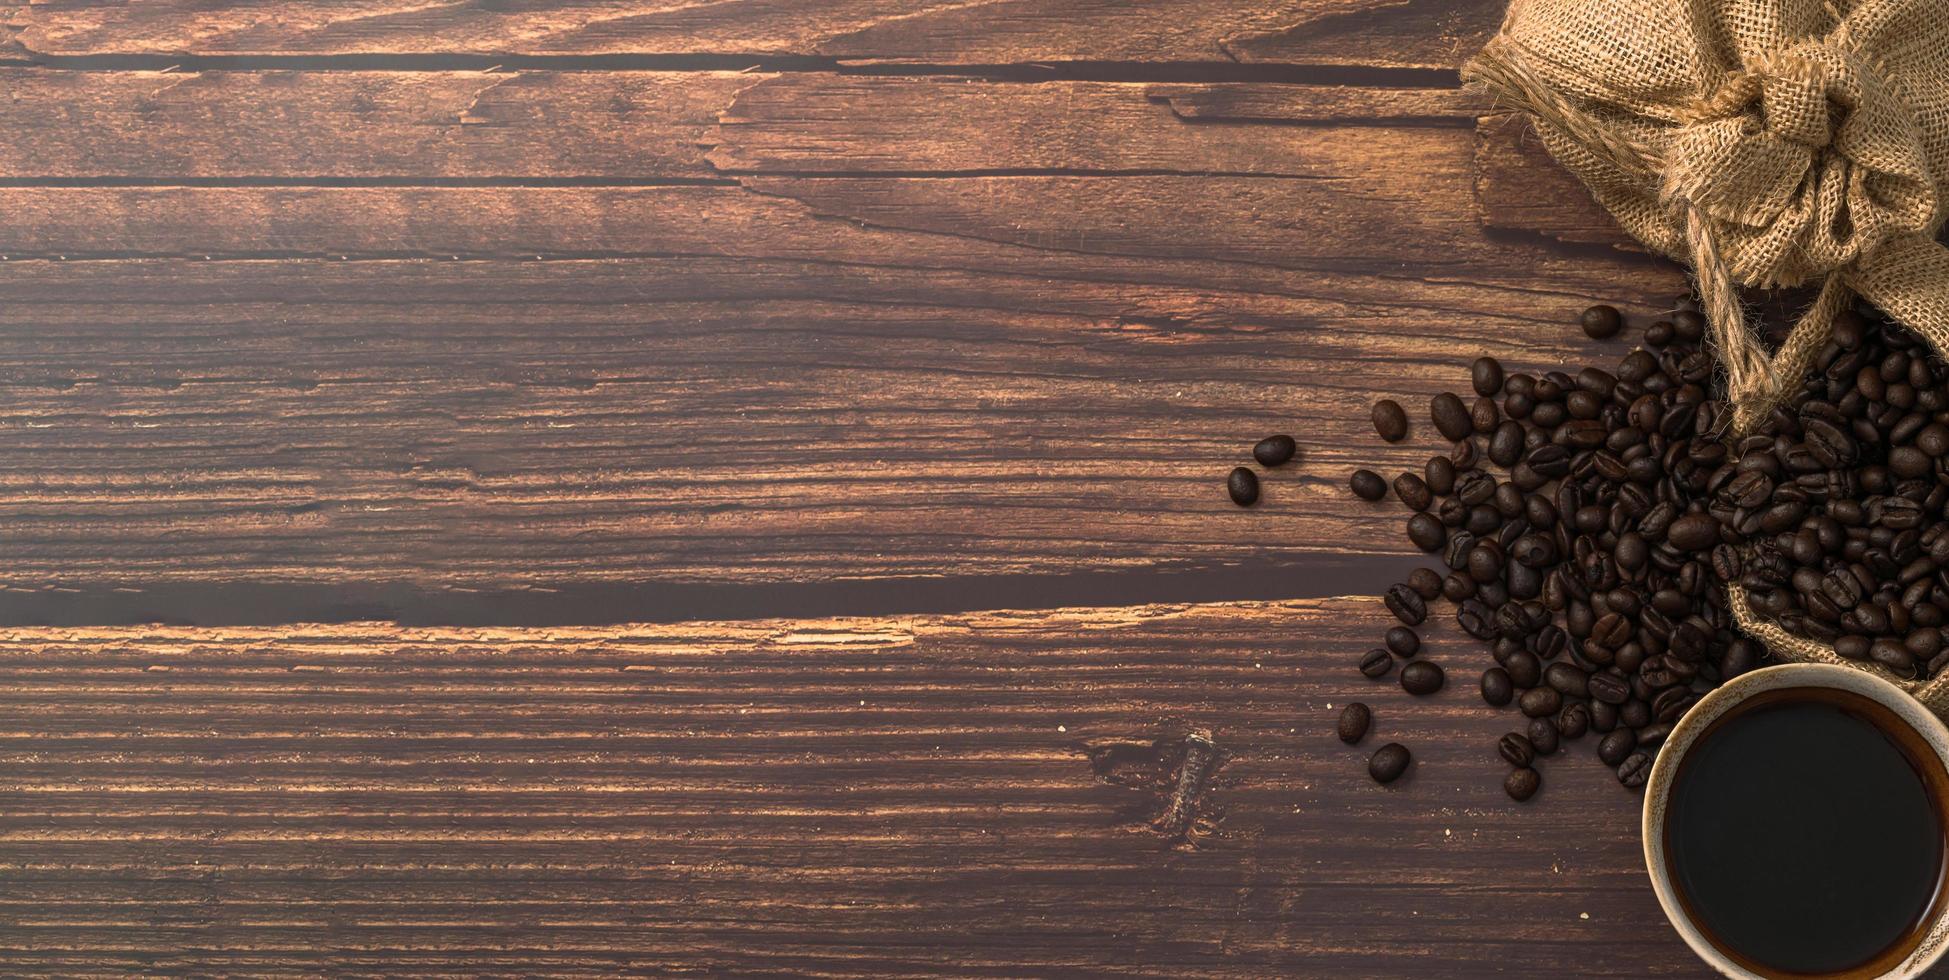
[1760, 894]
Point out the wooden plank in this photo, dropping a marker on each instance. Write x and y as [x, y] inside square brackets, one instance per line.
[969, 795]
[1430, 33]
[370, 125]
[623, 125]
[737, 420]
[866, 125]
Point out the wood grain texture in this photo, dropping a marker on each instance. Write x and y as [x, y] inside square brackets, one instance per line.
[1391, 33]
[366, 125]
[919, 796]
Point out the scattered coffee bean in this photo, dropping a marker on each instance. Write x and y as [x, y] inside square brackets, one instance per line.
[1608, 688]
[1367, 485]
[1485, 376]
[1274, 450]
[1496, 688]
[1427, 532]
[1406, 604]
[1601, 322]
[1402, 642]
[1522, 784]
[1567, 679]
[1539, 701]
[1612, 748]
[1413, 491]
[1635, 769]
[1543, 735]
[1243, 485]
[1573, 721]
[1354, 719]
[1390, 420]
[1422, 678]
[1451, 418]
[1525, 669]
[1377, 663]
[1515, 749]
[1388, 762]
[1426, 583]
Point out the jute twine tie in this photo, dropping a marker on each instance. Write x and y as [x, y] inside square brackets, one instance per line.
[1767, 142]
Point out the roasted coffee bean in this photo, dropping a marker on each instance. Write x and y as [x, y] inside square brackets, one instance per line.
[1688, 326]
[1413, 491]
[1274, 450]
[1457, 586]
[1653, 735]
[1243, 485]
[1439, 474]
[1539, 701]
[1893, 656]
[1574, 720]
[1426, 532]
[1567, 680]
[1515, 749]
[1693, 532]
[1483, 416]
[1611, 630]
[1525, 670]
[1485, 561]
[1388, 763]
[1634, 714]
[1521, 784]
[1485, 375]
[1543, 735]
[1475, 618]
[1535, 550]
[1426, 583]
[1367, 485]
[1601, 322]
[1402, 642]
[1603, 717]
[1390, 420]
[1634, 770]
[1354, 719]
[1608, 688]
[1670, 704]
[1451, 418]
[1377, 663]
[1506, 446]
[1406, 604]
[1616, 745]
[1422, 678]
[1496, 687]
[1475, 488]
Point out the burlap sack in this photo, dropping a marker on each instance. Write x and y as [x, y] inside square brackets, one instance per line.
[1766, 142]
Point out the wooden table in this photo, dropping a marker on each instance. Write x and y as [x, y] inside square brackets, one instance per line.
[737, 488]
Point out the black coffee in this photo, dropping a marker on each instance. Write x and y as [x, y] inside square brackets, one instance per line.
[1804, 833]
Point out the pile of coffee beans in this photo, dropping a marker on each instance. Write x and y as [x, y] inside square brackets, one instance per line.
[1836, 507]
[1587, 523]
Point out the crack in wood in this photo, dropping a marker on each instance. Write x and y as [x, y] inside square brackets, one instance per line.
[1173, 774]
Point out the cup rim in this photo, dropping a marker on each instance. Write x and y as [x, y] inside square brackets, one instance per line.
[1716, 703]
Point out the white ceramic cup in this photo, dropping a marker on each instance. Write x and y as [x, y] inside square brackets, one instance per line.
[1935, 939]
